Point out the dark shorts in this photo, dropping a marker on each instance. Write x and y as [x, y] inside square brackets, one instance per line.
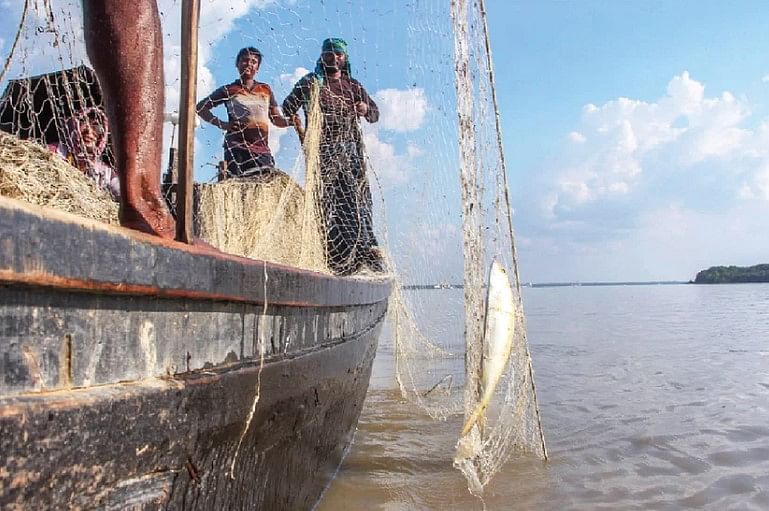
[244, 163]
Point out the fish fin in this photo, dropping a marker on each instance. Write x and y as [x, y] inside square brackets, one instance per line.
[479, 410]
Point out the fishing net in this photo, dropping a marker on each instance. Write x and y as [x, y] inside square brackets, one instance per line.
[31, 173]
[391, 163]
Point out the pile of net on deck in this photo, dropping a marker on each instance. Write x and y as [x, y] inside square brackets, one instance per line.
[262, 220]
[32, 173]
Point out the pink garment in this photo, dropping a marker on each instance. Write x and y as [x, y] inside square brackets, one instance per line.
[90, 162]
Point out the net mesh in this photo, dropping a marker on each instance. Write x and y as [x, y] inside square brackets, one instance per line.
[297, 168]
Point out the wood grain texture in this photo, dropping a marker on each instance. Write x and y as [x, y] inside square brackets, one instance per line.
[43, 248]
[129, 366]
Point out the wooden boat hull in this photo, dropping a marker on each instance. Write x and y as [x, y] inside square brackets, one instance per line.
[211, 383]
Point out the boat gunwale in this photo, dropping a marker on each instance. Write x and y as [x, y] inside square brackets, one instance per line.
[129, 262]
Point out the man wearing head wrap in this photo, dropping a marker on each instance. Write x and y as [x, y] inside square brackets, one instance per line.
[345, 197]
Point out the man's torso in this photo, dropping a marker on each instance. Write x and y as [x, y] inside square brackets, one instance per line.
[251, 108]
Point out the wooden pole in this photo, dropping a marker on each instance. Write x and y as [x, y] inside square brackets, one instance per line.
[187, 113]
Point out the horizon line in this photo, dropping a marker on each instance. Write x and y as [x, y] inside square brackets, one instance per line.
[561, 284]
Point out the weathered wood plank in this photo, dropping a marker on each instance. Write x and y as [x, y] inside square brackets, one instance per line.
[44, 248]
[169, 443]
[51, 340]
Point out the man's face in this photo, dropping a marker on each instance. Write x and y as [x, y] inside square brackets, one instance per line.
[248, 65]
[333, 60]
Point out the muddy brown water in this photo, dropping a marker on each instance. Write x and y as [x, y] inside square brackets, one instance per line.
[652, 397]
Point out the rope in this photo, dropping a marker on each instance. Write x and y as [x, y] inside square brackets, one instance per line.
[258, 380]
[16, 40]
[500, 148]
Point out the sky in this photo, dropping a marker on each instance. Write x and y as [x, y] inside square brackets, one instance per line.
[636, 133]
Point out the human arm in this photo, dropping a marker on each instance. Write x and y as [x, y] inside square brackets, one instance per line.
[297, 99]
[276, 116]
[365, 106]
[205, 105]
[299, 127]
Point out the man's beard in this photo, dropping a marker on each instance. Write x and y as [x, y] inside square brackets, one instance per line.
[330, 68]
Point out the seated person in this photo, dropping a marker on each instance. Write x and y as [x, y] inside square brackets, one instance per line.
[83, 142]
[250, 105]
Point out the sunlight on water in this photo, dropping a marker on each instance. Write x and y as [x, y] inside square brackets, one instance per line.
[653, 397]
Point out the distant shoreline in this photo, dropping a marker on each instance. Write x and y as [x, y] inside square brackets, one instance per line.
[556, 284]
[733, 274]
[603, 284]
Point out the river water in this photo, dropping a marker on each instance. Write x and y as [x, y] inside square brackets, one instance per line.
[652, 397]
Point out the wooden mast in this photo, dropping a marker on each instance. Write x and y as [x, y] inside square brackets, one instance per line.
[184, 206]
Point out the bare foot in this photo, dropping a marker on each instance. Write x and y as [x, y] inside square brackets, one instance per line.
[157, 221]
[205, 246]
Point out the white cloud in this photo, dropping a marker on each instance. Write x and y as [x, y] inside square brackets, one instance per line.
[414, 151]
[390, 167]
[217, 18]
[274, 136]
[757, 186]
[677, 183]
[625, 144]
[401, 110]
[289, 79]
[765, 78]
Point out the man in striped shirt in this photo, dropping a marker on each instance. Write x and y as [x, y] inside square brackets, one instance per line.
[251, 107]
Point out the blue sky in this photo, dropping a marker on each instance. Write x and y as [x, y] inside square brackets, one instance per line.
[553, 57]
[687, 207]
[636, 133]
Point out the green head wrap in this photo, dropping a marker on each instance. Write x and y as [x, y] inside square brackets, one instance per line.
[336, 45]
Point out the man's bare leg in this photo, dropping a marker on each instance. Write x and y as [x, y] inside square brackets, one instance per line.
[125, 45]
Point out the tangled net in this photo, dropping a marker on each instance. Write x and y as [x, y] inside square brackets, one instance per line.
[260, 220]
[32, 173]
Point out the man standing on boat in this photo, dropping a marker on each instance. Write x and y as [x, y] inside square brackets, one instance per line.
[251, 107]
[125, 46]
[345, 196]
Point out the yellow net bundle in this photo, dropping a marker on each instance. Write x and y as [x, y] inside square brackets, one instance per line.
[262, 220]
[32, 173]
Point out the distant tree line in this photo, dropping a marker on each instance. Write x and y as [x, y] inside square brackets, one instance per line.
[727, 274]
